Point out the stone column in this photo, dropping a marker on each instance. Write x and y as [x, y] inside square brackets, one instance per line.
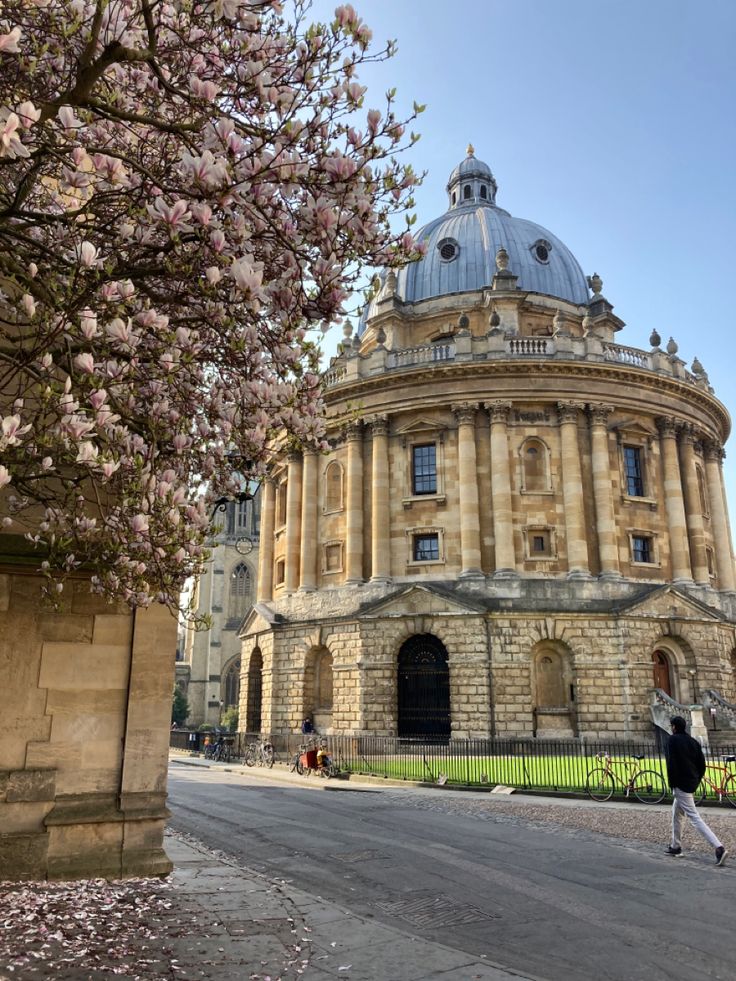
[265, 548]
[694, 507]
[503, 525]
[293, 522]
[381, 515]
[718, 516]
[308, 552]
[572, 491]
[354, 510]
[674, 502]
[468, 492]
[605, 521]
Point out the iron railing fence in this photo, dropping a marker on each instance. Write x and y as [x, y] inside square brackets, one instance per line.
[545, 765]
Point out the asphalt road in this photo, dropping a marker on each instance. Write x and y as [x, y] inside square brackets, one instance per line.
[543, 901]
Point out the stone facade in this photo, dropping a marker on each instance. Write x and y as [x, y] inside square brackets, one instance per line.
[511, 495]
[209, 674]
[85, 699]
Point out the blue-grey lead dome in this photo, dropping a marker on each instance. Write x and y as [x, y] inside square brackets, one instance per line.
[462, 246]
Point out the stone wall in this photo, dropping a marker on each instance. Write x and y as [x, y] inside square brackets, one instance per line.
[85, 701]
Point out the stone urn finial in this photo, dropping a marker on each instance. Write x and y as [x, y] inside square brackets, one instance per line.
[587, 324]
[697, 367]
[390, 287]
[654, 339]
[380, 336]
[347, 330]
[356, 342]
[495, 320]
[595, 283]
[502, 259]
[672, 347]
[463, 322]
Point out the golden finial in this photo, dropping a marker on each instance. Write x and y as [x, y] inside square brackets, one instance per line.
[471, 149]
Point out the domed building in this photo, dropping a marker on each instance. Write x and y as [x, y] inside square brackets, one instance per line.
[521, 526]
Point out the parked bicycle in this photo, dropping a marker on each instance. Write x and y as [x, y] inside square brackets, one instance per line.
[648, 786]
[297, 762]
[726, 781]
[261, 753]
[218, 751]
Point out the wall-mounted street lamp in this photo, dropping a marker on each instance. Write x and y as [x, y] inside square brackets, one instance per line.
[243, 544]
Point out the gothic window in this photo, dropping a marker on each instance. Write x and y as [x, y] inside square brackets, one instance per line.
[231, 685]
[424, 469]
[333, 487]
[240, 590]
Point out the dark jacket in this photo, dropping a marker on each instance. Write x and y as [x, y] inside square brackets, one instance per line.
[685, 762]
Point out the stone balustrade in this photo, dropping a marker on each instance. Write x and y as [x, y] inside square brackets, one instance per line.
[497, 346]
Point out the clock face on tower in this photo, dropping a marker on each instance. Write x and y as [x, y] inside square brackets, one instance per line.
[244, 546]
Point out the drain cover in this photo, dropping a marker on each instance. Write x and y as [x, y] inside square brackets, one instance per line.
[436, 911]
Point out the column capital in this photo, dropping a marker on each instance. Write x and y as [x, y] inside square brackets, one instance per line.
[498, 411]
[713, 450]
[667, 426]
[599, 414]
[294, 456]
[568, 411]
[464, 412]
[354, 430]
[690, 434]
[379, 425]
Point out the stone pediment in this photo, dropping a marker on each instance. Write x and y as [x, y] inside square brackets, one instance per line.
[420, 426]
[422, 600]
[258, 619]
[669, 602]
[633, 427]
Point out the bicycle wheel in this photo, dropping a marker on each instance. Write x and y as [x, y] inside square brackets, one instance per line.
[268, 755]
[729, 790]
[250, 756]
[208, 751]
[293, 764]
[649, 787]
[599, 784]
[701, 793]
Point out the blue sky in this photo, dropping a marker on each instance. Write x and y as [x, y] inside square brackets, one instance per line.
[610, 122]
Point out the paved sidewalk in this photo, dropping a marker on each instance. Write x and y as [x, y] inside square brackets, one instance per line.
[245, 926]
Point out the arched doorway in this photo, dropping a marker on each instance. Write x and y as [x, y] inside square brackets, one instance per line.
[255, 692]
[423, 688]
[553, 691]
[661, 672]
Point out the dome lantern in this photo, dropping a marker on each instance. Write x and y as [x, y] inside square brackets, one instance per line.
[471, 182]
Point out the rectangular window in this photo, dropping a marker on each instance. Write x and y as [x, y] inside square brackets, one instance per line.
[632, 466]
[641, 546]
[281, 504]
[241, 514]
[333, 558]
[280, 572]
[424, 469]
[539, 544]
[426, 548]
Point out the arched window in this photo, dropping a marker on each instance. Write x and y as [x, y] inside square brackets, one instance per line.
[255, 692]
[534, 466]
[661, 672]
[323, 683]
[483, 190]
[240, 590]
[703, 494]
[231, 685]
[333, 487]
[467, 191]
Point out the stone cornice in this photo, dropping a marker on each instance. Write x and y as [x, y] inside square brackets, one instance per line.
[626, 377]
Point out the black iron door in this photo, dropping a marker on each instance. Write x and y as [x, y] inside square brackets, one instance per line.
[423, 688]
[255, 692]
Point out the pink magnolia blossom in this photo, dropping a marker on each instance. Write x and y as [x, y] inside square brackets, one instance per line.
[195, 210]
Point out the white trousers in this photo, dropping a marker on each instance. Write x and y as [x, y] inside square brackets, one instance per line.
[683, 804]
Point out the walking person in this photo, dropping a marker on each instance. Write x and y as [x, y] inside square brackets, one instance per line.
[685, 769]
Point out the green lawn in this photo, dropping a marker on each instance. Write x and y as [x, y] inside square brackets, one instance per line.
[529, 772]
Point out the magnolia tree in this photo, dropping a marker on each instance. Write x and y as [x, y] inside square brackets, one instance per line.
[186, 188]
